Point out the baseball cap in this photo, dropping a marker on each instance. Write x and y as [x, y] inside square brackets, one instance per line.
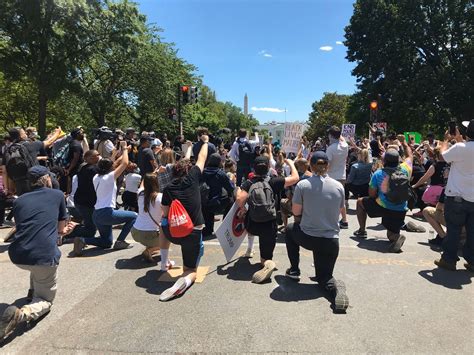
[262, 160]
[391, 156]
[36, 172]
[319, 155]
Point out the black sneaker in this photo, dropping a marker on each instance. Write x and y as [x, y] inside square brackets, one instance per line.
[436, 241]
[341, 301]
[360, 234]
[293, 274]
[343, 225]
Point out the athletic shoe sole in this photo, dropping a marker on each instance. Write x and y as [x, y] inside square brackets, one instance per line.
[341, 301]
[174, 291]
[264, 274]
[397, 245]
[10, 319]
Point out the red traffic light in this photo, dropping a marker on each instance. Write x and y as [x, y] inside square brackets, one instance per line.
[373, 105]
[185, 88]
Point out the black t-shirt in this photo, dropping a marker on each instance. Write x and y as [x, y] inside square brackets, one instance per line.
[34, 148]
[145, 155]
[85, 193]
[438, 178]
[36, 216]
[211, 149]
[187, 191]
[75, 147]
[374, 146]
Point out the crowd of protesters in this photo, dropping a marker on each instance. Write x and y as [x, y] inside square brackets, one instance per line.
[69, 189]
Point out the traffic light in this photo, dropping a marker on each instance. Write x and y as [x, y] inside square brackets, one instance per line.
[373, 105]
[185, 94]
[194, 94]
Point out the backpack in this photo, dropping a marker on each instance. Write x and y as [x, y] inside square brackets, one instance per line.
[246, 154]
[398, 186]
[18, 161]
[180, 223]
[61, 157]
[261, 201]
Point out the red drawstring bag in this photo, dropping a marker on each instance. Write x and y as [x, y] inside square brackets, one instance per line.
[179, 221]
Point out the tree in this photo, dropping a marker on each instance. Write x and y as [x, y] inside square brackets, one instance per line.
[44, 40]
[330, 110]
[418, 56]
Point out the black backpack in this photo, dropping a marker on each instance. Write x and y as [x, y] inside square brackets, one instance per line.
[246, 153]
[398, 185]
[261, 201]
[18, 160]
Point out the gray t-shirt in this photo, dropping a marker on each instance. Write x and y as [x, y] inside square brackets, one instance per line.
[322, 198]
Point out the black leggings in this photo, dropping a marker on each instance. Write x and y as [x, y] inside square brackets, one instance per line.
[267, 235]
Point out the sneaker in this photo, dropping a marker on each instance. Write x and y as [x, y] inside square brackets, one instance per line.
[79, 245]
[343, 225]
[169, 266]
[29, 296]
[121, 244]
[469, 267]
[293, 274]
[174, 291]
[341, 301]
[360, 234]
[249, 254]
[396, 246]
[10, 320]
[445, 264]
[436, 241]
[264, 274]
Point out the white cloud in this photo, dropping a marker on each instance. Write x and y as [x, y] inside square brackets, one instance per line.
[268, 109]
[339, 43]
[326, 48]
[265, 54]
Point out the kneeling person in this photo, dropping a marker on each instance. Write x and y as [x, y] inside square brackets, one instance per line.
[39, 215]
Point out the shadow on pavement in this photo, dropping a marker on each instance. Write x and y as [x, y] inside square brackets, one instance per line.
[431, 246]
[291, 291]
[242, 270]
[94, 251]
[150, 282]
[378, 227]
[449, 279]
[136, 263]
[379, 245]
[3, 248]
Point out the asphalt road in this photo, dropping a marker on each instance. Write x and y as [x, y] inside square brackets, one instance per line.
[107, 302]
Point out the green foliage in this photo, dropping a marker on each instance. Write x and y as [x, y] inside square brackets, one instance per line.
[330, 110]
[418, 56]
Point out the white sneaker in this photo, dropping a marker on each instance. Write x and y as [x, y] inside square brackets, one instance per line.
[264, 274]
[174, 291]
[248, 254]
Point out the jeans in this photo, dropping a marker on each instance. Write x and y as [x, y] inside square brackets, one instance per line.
[325, 252]
[242, 173]
[105, 219]
[87, 229]
[192, 247]
[458, 213]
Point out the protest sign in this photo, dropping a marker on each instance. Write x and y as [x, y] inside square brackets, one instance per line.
[415, 135]
[292, 137]
[348, 130]
[381, 126]
[231, 233]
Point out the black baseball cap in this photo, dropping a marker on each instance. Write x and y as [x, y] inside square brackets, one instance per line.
[262, 160]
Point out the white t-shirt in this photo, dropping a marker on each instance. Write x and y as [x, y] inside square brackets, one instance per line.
[132, 182]
[461, 175]
[105, 148]
[70, 198]
[143, 221]
[105, 189]
[337, 155]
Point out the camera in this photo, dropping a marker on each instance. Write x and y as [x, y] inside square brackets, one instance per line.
[105, 133]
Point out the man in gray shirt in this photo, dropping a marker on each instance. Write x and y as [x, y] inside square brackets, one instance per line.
[316, 205]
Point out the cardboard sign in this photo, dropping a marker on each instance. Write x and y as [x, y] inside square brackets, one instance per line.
[231, 233]
[382, 126]
[348, 130]
[292, 137]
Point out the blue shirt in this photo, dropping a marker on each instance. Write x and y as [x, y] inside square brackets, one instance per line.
[36, 215]
[360, 173]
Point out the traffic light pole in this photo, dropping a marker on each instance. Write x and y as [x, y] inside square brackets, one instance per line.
[180, 121]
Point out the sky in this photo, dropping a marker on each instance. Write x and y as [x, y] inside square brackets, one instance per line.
[283, 53]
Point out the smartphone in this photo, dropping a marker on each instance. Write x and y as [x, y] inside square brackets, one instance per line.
[452, 127]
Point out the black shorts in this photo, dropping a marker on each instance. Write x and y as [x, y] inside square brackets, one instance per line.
[392, 220]
[192, 247]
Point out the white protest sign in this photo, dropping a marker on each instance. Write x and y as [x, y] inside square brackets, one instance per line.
[231, 233]
[292, 137]
[348, 130]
